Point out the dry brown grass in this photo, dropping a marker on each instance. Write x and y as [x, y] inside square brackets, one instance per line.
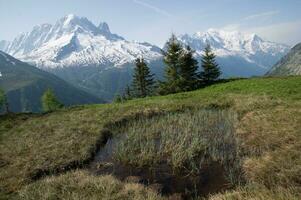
[79, 185]
[257, 192]
[272, 140]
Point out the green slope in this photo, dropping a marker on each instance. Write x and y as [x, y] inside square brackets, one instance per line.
[267, 130]
[25, 84]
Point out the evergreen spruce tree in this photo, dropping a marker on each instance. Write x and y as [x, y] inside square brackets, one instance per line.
[50, 102]
[4, 102]
[127, 95]
[2, 99]
[143, 80]
[118, 99]
[211, 71]
[172, 60]
[188, 70]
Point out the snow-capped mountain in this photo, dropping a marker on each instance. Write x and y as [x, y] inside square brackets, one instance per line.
[75, 41]
[87, 56]
[94, 59]
[235, 48]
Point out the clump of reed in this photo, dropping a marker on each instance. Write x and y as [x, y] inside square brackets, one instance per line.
[187, 140]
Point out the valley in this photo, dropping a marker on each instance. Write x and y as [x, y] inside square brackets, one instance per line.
[25, 84]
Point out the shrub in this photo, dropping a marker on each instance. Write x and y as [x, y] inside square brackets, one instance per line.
[50, 101]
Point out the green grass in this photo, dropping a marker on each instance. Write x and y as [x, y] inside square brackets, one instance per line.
[268, 110]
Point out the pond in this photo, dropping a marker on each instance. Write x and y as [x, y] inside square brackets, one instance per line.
[187, 154]
[161, 177]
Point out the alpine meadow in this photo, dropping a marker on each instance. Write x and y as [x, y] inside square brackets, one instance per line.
[189, 100]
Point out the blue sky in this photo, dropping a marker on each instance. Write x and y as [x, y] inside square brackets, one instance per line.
[154, 20]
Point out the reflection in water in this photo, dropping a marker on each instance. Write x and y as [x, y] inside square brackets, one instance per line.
[161, 177]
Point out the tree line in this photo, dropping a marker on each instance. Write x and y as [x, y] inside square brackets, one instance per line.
[181, 72]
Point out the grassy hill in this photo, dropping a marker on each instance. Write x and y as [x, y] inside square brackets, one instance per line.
[25, 84]
[262, 152]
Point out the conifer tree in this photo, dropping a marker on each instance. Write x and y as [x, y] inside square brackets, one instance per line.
[211, 71]
[50, 102]
[4, 102]
[143, 80]
[2, 99]
[118, 99]
[172, 60]
[127, 95]
[188, 70]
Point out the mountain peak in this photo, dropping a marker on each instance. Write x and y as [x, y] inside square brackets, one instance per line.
[68, 18]
[213, 30]
[103, 26]
[257, 38]
[73, 20]
[72, 24]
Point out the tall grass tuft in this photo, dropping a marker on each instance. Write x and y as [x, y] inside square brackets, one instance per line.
[187, 141]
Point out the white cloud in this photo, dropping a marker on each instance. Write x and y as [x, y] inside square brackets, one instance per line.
[154, 8]
[262, 15]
